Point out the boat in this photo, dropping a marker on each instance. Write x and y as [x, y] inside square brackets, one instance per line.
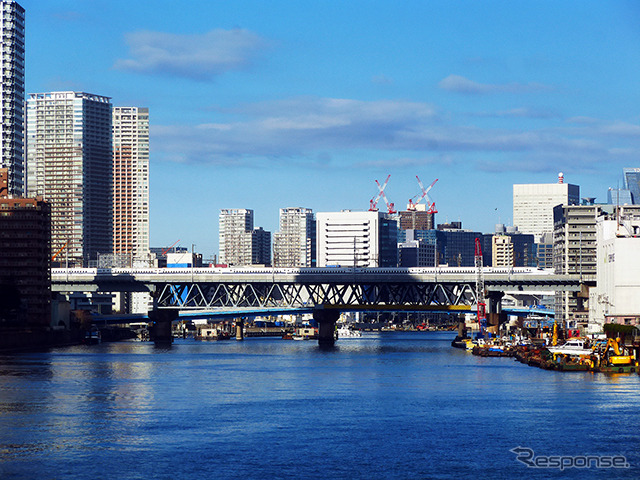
[93, 336]
[345, 331]
[573, 346]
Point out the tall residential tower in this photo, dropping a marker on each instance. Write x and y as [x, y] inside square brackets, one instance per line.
[131, 181]
[295, 244]
[69, 163]
[12, 98]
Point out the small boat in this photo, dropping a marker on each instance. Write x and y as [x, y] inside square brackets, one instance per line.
[574, 346]
[345, 331]
[93, 336]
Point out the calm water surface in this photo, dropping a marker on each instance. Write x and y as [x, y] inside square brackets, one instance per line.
[397, 405]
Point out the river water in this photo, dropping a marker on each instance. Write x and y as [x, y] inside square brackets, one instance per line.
[391, 405]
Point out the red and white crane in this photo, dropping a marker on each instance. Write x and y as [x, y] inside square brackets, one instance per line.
[482, 316]
[431, 206]
[373, 203]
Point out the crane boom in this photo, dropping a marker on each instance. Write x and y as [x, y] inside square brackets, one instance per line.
[164, 252]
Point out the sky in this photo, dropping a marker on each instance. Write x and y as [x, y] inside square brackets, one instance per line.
[266, 105]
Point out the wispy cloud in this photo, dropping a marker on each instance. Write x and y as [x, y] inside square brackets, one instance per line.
[200, 57]
[326, 132]
[520, 112]
[459, 84]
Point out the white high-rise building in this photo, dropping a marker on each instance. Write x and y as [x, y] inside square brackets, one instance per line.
[533, 205]
[70, 164]
[131, 181]
[361, 239]
[12, 98]
[294, 244]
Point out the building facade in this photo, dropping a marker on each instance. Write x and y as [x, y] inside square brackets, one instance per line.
[416, 252]
[12, 98]
[25, 274]
[502, 251]
[533, 205]
[418, 219]
[360, 239]
[616, 297]
[70, 164]
[295, 244]
[131, 181]
[240, 243]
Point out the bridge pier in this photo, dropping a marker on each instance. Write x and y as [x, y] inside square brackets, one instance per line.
[326, 326]
[161, 326]
[240, 329]
[495, 315]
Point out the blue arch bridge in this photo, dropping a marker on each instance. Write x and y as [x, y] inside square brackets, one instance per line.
[325, 292]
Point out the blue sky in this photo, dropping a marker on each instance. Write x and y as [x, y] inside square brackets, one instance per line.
[265, 105]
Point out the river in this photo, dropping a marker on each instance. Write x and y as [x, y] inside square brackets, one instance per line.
[387, 406]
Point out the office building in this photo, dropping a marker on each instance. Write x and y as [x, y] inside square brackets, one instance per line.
[12, 98]
[131, 182]
[416, 252]
[632, 183]
[240, 243]
[295, 244]
[418, 219]
[544, 251]
[533, 205]
[25, 278]
[69, 163]
[361, 239]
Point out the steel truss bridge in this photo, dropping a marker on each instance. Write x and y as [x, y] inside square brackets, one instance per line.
[201, 289]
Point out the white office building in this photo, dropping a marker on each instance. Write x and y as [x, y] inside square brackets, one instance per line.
[70, 164]
[361, 239]
[12, 98]
[533, 205]
[294, 244]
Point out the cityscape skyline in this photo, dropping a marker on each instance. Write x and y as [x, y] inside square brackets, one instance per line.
[259, 113]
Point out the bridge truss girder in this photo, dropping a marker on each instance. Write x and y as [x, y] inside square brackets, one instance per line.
[265, 295]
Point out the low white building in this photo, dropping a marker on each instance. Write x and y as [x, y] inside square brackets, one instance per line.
[616, 298]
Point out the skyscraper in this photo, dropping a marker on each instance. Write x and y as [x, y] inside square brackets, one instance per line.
[69, 163]
[632, 183]
[294, 245]
[12, 98]
[131, 181]
[233, 223]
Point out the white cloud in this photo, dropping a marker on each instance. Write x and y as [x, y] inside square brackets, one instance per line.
[192, 56]
[459, 84]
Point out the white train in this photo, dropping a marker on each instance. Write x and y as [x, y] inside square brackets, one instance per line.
[297, 271]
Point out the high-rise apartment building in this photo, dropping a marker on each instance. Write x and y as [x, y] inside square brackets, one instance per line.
[240, 243]
[533, 205]
[361, 239]
[131, 181]
[502, 251]
[12, 98]
[294, 245]
[70, 164]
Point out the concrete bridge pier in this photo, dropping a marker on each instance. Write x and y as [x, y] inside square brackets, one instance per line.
[495, 315]
[161, 326]
[326, 326]
[240, 329]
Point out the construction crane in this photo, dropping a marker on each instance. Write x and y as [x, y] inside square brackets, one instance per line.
[390, 206]
[164, 252]
[373, 203]
[60, 250]
[482, 317]
[431, 206]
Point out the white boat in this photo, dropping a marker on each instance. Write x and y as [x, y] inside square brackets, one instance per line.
[573, 346]
[344, 331]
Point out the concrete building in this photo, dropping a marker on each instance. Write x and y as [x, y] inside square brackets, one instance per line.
[533, 205]
[418, 219]
[240, 243]
[131, 181]
[544, 251]
[361, 239]
[416, 252]
[12, 98]
[616, 297]
[295, 244]
[25, 275]
[502, 251]
[70, 164]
